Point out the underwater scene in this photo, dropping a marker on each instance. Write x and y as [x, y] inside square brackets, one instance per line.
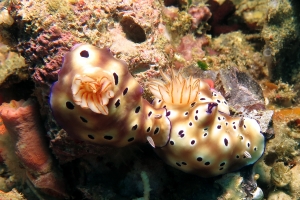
[149, 99]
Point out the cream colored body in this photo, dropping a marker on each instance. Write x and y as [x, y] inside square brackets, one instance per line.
[205, 139]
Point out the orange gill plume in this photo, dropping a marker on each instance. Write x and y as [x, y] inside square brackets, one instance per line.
[176, 89]
[93, 90]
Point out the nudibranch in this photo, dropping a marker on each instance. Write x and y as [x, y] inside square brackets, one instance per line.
[204, 139]
[97, 100]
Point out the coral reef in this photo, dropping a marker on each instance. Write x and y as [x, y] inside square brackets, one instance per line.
[189, 49]
[232, 185]
[234, 50]
[276, 195]
[236, 46]
[281, 160]
[281, 175]
[221, 11]
[200, 15]
[252, 13]
[12, 67]
[280, 94]
[281, 32]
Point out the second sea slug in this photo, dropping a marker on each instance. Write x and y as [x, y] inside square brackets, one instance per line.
[204, 139]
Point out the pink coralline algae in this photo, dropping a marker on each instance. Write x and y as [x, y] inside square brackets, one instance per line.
[51, 45]
[191, 47]
[188, 123]
[22, 120]
[199, 15]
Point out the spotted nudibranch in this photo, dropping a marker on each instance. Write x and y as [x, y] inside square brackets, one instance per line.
[204, 139]
[97, 100]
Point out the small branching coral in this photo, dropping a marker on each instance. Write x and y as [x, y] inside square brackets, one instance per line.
[188, 122]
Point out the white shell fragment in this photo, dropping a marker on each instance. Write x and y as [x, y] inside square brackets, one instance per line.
[257, 194]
